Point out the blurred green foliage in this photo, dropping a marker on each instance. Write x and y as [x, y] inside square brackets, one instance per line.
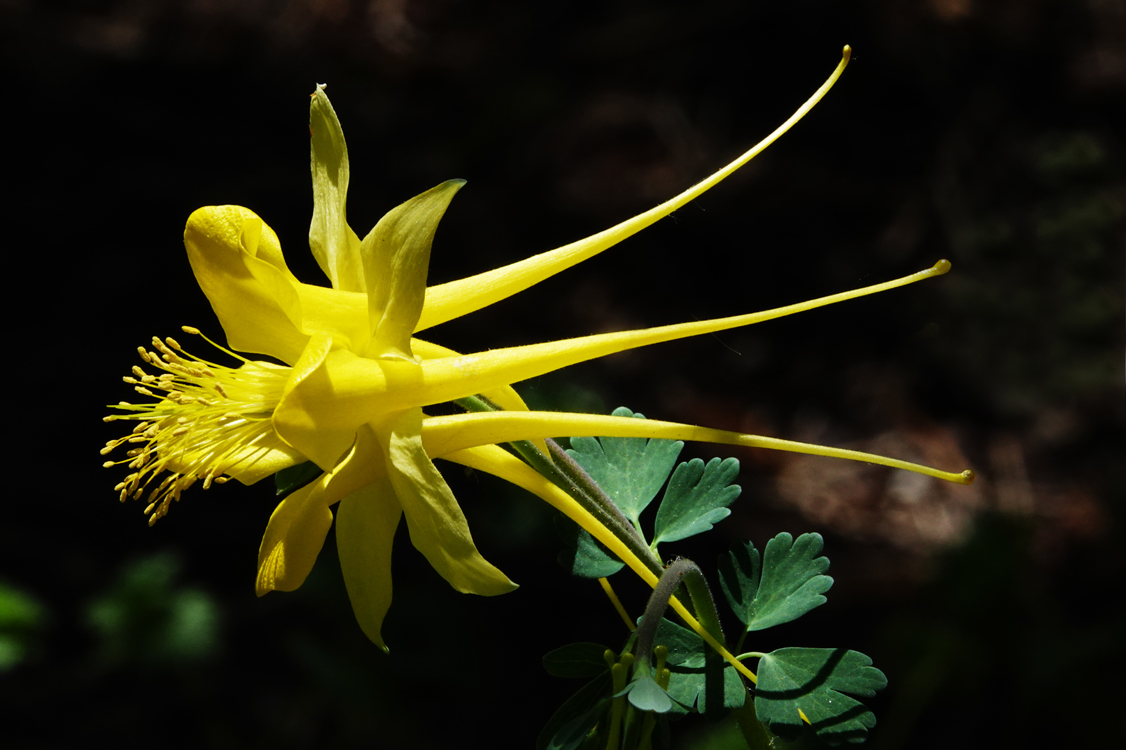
[146, 620]
[22, 618]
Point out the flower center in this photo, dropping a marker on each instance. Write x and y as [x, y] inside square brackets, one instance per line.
[208, 418]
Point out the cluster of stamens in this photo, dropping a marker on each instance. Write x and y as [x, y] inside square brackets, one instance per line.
[207, 418]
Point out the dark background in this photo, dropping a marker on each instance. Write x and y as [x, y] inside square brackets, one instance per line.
[989, 133]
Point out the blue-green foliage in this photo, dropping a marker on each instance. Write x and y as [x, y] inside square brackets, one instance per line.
[777, 586]
[687, 661]
[782, 587]
[696, 499]
[583, 555]
[646, 695]
[629, 470]
[814, 681]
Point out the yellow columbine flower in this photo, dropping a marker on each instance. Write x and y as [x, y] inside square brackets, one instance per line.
[350, 396]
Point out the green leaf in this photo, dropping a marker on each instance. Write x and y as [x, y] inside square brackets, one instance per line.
[646, 695]
[696, 499]
[814, 681]
[296, 477]
[582, 554]
[788, 583]
[688, 684]
[582, 714]
[576, 660]
[629, 470]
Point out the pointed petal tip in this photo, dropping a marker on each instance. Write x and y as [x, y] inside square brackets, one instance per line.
[267, 574]
[376, 637]
[507, 587]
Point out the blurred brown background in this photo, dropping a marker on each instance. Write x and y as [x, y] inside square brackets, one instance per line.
[989, 133]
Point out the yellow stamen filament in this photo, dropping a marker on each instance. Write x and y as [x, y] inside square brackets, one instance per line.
[208, 417]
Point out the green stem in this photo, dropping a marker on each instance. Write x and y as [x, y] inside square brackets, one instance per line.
[702, 600]
[670, 580]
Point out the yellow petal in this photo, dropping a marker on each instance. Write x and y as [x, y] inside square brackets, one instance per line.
[505, 397]
[293, 539]
[437, 526]
[309, 394]
[334, 244]
[298, 526]
[448, 301]
[396, 257]
[238, 263]
[269, 455]
[365, 528]
[256, 315]
[309, 308]
[447, 434]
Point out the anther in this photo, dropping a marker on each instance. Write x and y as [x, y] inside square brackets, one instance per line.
[190, 329]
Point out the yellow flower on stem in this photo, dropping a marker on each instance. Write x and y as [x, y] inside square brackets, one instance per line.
[351, 393]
